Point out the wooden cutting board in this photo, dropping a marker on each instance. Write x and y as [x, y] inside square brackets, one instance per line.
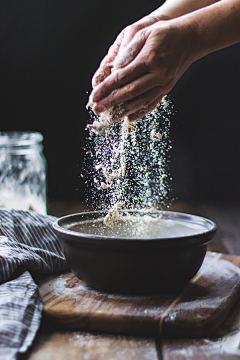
[195, 312]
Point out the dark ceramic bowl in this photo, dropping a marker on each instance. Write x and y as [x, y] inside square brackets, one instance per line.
[135, 265]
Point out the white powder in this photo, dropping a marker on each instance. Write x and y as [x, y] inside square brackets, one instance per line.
[101, 124]
[113, 216]
[129, 162]
[105, 119]
[24, 201]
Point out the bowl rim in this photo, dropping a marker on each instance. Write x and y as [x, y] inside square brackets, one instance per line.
[202, 237]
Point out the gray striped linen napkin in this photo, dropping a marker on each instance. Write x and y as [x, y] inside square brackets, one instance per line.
[28, 246]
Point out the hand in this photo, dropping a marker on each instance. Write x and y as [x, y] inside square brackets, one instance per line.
[147, 63]
[123, 39]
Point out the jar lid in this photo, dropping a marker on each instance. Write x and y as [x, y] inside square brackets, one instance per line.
[20, 138]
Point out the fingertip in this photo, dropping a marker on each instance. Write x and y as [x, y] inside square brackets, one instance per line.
[92, 106]
[101, 74]
[89, 105]
[134, 117]
[94, 95]
[96, 80]
[95, 109]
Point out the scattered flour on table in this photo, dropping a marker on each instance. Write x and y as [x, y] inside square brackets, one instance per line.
[127, 162]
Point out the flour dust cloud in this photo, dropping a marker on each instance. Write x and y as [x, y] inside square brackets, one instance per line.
[128, 168]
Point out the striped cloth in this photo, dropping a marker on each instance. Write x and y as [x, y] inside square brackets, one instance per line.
[28, 245]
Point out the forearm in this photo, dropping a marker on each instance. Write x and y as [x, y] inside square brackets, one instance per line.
[174, 8]
[155, 54]
[217, 26]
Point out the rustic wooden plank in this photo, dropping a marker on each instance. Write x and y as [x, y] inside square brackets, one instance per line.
[72, 345]
[198, 310]
[199, 349]
[55, 344]
[225, 344]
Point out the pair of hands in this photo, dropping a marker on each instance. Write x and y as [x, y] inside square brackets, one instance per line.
[142, 66]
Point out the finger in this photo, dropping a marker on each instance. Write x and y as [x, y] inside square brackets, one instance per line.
[131, 31]
[140, 113]
[123, 75]
[128, 92]
[129, 34]
[103, 71]
[130, 51]
[139, 104]
[118, 79]
[105, 66]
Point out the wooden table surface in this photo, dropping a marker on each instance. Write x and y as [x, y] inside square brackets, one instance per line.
[53, 342]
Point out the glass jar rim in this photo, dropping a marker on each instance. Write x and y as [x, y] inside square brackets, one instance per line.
[20, 138]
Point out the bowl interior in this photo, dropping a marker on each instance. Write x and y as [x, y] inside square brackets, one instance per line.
[137, 225]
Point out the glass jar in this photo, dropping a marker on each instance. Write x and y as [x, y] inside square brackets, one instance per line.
[22, 171]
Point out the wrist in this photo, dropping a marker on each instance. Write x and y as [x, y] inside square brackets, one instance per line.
[172, 9]
[189, 36]
[213, 28]
[161, 14]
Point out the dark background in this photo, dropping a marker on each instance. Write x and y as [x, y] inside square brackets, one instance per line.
[49, 51]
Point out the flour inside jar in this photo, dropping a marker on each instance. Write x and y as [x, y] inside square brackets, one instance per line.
[129, 163]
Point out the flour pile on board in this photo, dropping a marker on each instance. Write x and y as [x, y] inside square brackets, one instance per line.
[127, 163]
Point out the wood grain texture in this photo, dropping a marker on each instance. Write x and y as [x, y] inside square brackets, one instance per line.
[52, 343]
[224, 344]
[198, 311]
[198, 349]
[72, 345]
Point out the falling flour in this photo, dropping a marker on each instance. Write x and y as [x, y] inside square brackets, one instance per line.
[129, 160]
